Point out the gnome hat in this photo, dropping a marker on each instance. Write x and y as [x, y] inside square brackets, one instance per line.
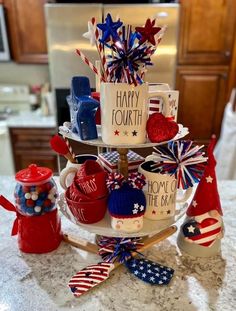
[206, 197]
[127, 202]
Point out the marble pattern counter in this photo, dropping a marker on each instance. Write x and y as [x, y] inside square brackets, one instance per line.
[31, 119]
[39, 282]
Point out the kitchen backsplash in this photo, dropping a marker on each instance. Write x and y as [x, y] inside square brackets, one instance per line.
[12, 73]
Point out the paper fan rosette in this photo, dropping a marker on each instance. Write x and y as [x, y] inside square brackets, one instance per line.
[182, 159]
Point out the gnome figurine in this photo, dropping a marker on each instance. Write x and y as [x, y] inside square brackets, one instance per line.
[203, 228]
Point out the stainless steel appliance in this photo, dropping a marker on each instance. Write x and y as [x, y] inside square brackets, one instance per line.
[4, 48]
[67, 22]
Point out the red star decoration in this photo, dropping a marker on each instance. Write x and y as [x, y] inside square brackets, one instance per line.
[116, 133]
[148, 31]
[153, 212]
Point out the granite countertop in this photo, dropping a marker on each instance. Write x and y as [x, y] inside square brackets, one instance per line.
[39, 282]
[31, 119]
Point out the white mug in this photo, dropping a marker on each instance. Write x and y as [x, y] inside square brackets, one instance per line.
[68, 173]
[165, 102]
[161, 194]
[124, 112]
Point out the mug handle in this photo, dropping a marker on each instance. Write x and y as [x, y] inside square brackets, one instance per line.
[164, 98]
[64, 174]
[182, 210]
[186, 196]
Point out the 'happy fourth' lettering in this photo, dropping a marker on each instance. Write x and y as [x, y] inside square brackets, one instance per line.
[128, 99]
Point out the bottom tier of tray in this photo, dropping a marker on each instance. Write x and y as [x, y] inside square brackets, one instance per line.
[104, 228]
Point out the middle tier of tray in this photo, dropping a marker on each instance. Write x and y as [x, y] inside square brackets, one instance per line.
[104, 228]
[183, 131]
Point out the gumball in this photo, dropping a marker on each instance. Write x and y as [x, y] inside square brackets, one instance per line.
[34, 196]
[37, 209]
[47, 203]
[27, 195]
[30, 203]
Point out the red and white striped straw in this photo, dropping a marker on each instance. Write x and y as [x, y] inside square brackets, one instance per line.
[99, 46]
[100, 49]
[87, 62]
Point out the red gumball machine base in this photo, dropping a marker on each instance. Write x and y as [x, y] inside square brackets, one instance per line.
[39, 234]
[36, 234]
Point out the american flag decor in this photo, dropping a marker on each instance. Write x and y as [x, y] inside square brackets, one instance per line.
[90, 277]
[155, 105]
[109, 160]
[149, 271]
[204, 233]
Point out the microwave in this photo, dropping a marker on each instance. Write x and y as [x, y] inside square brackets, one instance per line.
[4, 47]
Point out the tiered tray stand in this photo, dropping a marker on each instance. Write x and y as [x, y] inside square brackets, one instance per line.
[152, 232]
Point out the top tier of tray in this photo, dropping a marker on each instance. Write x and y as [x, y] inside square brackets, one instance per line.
[183, 131]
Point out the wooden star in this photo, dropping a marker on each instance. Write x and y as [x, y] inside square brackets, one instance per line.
[90, 34]
[116, 132]
[148, 32]
[109, 28]
[134, 133]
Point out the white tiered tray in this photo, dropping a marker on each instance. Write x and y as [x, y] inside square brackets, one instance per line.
[104, 228]
[63, 130]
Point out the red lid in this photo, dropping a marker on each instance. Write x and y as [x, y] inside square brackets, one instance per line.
[33, 174]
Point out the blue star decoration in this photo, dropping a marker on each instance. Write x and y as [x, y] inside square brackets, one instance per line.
[109, 29]
[149, 271]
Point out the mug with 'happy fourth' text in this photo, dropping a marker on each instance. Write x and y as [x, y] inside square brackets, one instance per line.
[124, 112]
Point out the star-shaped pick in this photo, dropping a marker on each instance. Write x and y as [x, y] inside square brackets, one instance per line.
[109, 28]
[90, 34]
[148, 32]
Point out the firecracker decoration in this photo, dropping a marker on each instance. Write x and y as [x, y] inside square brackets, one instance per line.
[182, 159]
[125, 54]
[116, 180]
[202, 230]
[118, 249]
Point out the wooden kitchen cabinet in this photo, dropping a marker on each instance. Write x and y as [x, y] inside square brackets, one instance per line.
[206, 31]
[27, 30]
[32, 145]
[204, 64]
[202, 99]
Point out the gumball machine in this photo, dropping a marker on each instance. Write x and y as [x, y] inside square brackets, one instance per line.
[37, 222]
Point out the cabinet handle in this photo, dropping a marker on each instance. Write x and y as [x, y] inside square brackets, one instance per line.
[227, 53]
[224, 76]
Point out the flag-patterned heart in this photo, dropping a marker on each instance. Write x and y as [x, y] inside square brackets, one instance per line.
[149, 271]
[90, 277]
[204, 233]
